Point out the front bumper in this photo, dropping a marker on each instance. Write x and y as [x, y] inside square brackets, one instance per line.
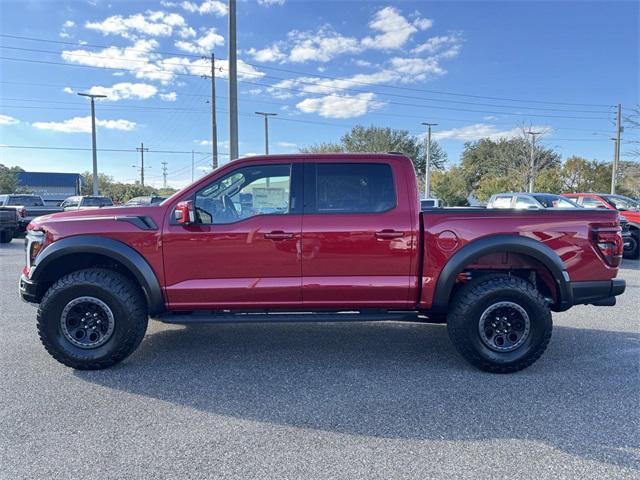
[29, 291]
[599, 293]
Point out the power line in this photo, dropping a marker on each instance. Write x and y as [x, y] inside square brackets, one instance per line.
[268, 67]
[118, 150]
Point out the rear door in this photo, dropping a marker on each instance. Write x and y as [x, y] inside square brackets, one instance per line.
[357, 235]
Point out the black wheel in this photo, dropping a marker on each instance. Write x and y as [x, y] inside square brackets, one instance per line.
[6, 236]
[632, 245]
[92, 319]
[499, 323]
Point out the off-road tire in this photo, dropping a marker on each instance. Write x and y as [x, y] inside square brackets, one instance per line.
[634, 251]
[474, 298]
[6, 236]
[120, 294]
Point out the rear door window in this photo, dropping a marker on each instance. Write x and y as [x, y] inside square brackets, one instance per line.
[502, 202]
[353, 188]
[590, 202]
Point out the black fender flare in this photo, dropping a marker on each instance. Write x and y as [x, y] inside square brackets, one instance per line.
[108, 247]
[635, 225]
[497, 244]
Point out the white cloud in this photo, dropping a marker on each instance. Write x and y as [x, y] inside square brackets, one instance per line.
[187, 32]
[68, 90]
[8, 120]
[125, 90]
[64, 33]
[340, 106]
[69, 24]
[153, 23]
[287, 144]
[320, 46]
[445, 46]
[269, 54]
[268, 3]
[483, 130]
[169, 97]
[394, 30]
[203, 45]
[83, 125]
[216, 7]
[417, 68]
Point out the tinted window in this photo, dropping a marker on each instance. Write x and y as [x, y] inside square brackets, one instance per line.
[354, 188]
[244, 193]
[96, 202]
[622, 203]
[555, 201]
[501, 202]
[25, 201]
[590, 202]
[522, 201]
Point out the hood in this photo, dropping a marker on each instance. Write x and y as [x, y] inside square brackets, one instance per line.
[153, 211]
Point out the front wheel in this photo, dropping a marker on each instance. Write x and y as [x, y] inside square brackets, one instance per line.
[92, 319]
[500, 324]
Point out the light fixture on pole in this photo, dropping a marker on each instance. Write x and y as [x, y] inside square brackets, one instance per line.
[93, 137]
[427, 167]
[266, 116]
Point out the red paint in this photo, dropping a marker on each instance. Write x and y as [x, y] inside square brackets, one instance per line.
[332, 261]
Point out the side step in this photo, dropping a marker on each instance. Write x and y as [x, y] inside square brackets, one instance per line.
[240, 317]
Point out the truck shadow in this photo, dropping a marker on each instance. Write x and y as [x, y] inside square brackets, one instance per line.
[395, 380]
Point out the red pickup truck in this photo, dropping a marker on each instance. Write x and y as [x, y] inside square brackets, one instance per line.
[328, 237]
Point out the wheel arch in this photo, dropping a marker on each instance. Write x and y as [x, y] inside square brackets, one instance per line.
[85, 251]
[503, 244]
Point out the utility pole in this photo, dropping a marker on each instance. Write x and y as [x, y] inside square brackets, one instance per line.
[142, 149]
[164, 173]
[266, 116]
[616, 151]
[532, 174]
[233, 83]
[214, 125]
[93, 138]
[427, 167]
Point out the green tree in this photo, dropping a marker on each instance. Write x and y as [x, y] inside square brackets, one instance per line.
[449, 187]
[378, 139]
[582, 175]
[504, 161]
[8, 178]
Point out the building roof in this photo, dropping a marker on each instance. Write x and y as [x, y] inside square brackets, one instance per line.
[48, 178]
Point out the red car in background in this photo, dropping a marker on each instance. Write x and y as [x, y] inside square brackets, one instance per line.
[629, 209]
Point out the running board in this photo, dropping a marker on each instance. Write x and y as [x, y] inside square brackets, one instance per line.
[241, 317]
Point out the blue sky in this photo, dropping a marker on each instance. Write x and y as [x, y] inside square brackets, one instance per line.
[475, 68]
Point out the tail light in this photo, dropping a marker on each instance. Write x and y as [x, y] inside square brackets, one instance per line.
[608, 241]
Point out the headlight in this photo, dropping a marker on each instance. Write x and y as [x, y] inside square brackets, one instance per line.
[34, 243]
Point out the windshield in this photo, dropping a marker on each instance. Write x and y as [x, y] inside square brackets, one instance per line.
[555, 201]
[623, 203]
[25, 201]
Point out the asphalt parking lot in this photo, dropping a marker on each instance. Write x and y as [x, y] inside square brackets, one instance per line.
[365, 400]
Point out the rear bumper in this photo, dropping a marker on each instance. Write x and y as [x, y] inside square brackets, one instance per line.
[600, 293]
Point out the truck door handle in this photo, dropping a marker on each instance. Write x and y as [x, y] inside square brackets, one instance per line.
[388, 234]
[278, 235]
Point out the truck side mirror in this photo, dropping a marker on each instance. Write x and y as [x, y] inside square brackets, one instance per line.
[185, 213]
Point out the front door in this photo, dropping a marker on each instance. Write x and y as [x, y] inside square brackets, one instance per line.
[243, 250]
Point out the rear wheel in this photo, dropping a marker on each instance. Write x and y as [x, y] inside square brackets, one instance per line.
[6, 236]
[92, 319]
[500, 323]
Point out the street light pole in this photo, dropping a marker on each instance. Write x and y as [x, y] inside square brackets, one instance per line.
[93, 138]
[427, 167]
[266, 116]
[233, 83]
[532, 174]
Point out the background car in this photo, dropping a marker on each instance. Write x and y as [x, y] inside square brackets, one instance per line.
[629, 210]
[530, 201]
[28, 207]
[86, 202]
[430, 203]
[148, 200]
